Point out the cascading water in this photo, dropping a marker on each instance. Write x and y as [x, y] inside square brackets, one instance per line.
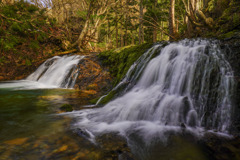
[134, 71]
[188, 85]
[56, 72]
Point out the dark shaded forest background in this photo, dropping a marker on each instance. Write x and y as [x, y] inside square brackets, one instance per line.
[32, 31]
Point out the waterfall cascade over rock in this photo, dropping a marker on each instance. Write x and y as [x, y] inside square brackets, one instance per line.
[188, 85]
[56, 72]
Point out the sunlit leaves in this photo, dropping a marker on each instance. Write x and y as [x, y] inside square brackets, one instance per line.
[82, 14]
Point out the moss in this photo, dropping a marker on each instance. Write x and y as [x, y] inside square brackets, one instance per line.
[34, 45]
[108, 98]
[28, 62]
[66, 108]
[228, 20]
[94, 101]
[120, 60]
[236, 19]
[15, 33]
[211, 5]
[227, 35]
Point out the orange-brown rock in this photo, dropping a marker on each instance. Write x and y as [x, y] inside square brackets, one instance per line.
[92, 78]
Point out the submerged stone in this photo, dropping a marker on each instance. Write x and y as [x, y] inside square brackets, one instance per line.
[66, 108]
[17, 141]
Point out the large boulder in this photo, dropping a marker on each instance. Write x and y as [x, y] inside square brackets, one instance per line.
[93, 79]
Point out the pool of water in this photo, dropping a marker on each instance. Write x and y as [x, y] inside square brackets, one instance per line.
[30, 127]
[26, 113]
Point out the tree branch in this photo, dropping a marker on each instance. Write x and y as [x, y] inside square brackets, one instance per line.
[159, 27]
[12, 19]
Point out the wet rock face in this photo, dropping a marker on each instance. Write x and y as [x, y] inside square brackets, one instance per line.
[232, 53]
[93, 78]
[220, 148]
[114, 147]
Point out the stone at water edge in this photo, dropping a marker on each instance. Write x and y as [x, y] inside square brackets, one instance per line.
[66, 108]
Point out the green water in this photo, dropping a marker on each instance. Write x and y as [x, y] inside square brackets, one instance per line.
[31, 127]
[28, 112]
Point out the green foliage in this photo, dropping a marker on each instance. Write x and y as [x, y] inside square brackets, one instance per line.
[41, 37]
[34, 45]
[82, 14]
[32, 9]
[16, 27]
[23, 24]
[156, 13]
[228, 21]
[28, 62]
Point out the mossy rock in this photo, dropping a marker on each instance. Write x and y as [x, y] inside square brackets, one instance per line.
[227, 35]
[119, 60]
[229, 20]
[66, 108]
[108, 98]
[94, 101]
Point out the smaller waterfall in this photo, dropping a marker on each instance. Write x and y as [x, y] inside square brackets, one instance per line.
[56, 72]
[135, 71]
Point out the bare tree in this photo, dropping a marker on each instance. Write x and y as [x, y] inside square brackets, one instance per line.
[154, 28]
[96, 16]
[172, 28]
[141, 32]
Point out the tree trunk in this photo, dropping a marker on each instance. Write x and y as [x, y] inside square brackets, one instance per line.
[172, 29]
[205, 3]
[108, 32]
[116, 31]
[122, 37]
[82, 34]
[162, 25]
[97, 38]
[133, 38]
[177, 26]
[154, 28]
[141, 38]
[125, 34]
[84, 31]
[154, 35]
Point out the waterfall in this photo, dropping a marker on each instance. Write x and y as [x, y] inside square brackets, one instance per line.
[56, 72]
[134, 71]
[188, 85]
